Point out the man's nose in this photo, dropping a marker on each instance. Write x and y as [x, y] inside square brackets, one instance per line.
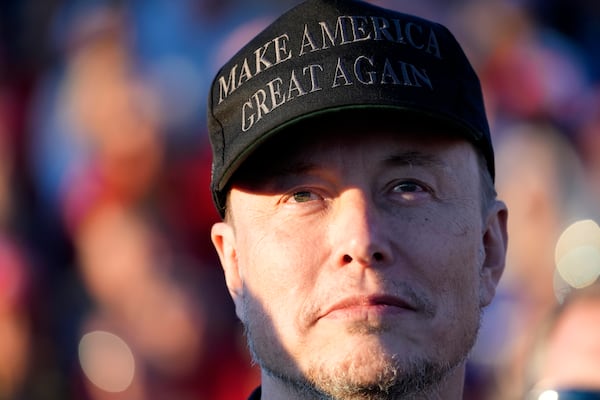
[358, 232]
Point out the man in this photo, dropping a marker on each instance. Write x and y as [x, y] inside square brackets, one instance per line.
[353, 167]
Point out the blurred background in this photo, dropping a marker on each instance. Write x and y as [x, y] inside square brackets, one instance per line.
[109, 287]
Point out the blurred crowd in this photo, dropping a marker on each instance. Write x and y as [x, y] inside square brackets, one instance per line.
[109, 287]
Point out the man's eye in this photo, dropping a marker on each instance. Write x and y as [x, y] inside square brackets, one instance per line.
[408, 187]
[303, 196]
[410, 191]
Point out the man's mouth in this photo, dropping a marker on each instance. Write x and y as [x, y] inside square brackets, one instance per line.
[367, 306]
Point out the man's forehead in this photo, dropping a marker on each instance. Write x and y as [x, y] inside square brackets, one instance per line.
[330, 135]
[337, 146]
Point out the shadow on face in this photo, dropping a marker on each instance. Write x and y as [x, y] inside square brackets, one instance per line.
[319, 132]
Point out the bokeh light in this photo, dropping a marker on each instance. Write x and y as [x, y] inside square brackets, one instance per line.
[548, 395]
[107, 361]
[577, 254]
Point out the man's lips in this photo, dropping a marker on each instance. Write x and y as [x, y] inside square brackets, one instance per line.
[371, 304]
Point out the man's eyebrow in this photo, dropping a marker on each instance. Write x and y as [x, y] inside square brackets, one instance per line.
[280, 174]
[282, 168]
[293, 168]
[403, 159]
[415, 158]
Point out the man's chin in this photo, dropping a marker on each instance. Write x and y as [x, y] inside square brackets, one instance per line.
[368, 371]
[362, 344]
[377, 377]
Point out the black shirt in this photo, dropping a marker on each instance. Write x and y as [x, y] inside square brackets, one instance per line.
[255, 395]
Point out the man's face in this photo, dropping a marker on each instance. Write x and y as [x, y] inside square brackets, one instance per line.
[363, 261]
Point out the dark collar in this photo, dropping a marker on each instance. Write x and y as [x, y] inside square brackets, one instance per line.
[255, 395]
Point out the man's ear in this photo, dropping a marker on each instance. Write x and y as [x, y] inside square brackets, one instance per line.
[223, 238]
[495, 241]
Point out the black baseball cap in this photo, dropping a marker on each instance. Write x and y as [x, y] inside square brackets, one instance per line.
[324, 56]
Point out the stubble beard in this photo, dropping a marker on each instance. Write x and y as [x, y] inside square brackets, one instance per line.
[417, 378]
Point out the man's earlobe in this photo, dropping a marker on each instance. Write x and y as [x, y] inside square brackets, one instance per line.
[495, 241]
[223, 238]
